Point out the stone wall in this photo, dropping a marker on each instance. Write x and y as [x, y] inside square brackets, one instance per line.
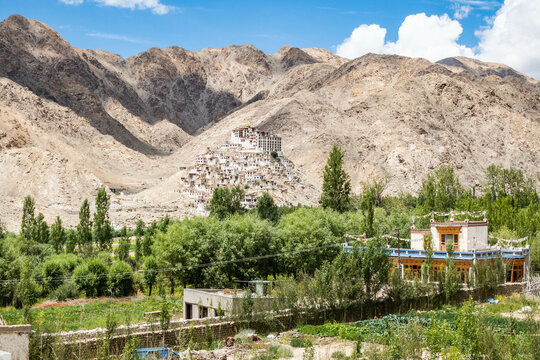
[14, 339]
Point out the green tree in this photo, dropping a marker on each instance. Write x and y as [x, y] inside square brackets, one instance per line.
[226, 202]
[336, 188]
[122, 251]
[164, 223]
[367, 204]
[57, 236]
[28, 220]
[427, 265]
[121, 279]
[139, 233]
[102, 224]
[84, 229]
[317, 230]
[266, 208]
[53, 273]
[449, 285]
[147, 244]
[40, 230]
[440, 190]
[71, 241]
[150, 269]
[27, 290]
[92, 277]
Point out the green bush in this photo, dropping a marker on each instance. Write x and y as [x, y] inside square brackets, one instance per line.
[300, 343]
[66, 291]
[121, 279]
[339, 355]
[53, 274]
[92, 277]
[280, 351]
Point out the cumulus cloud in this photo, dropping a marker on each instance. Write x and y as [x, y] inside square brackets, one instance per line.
[431, 37]
[364, 39]
[154, 5]
[513, 37]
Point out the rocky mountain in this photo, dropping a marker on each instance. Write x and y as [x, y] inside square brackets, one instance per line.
[72, 119]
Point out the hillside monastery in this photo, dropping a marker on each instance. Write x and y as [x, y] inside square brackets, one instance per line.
[252, 159]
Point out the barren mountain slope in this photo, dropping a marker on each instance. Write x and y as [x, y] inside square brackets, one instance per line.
[49, 152]
[396, 117]
[74, 119]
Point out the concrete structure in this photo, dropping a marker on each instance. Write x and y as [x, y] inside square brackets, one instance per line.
[208, 303]
[14, 339]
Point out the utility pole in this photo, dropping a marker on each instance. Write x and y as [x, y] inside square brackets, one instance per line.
[399, 252]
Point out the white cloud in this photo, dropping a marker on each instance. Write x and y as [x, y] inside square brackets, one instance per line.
[431, 37]
[462, 11]
[513, 37]
[364, 39]
[155, 5]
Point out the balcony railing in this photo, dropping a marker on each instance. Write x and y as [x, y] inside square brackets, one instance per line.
[458, 255]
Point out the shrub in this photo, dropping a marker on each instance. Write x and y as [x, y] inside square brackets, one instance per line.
[280, 351]
[92, 277]
[66, 291]
[339, 355]
[121, 279]
[300, 343]
[53, 273]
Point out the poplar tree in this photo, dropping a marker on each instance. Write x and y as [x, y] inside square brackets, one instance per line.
[336, 188]
[102, 225]
[450, 284]
[28, 219]
[150, 268]
[122, 251]
[139, 233]
[57, 236]
[84, 229]
[40, 230]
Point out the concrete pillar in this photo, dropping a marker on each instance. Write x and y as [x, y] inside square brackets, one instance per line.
[195, 311]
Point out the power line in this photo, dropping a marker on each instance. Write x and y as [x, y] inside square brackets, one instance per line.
[184, 267]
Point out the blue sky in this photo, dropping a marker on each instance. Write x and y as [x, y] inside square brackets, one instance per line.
[471, 27]
[198, 24]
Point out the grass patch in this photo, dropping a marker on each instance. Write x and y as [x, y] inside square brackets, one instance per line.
[275, 352]
[511, 304]
[301, 343]
[90, 315]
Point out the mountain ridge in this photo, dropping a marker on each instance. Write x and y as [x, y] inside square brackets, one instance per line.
[132, 123]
